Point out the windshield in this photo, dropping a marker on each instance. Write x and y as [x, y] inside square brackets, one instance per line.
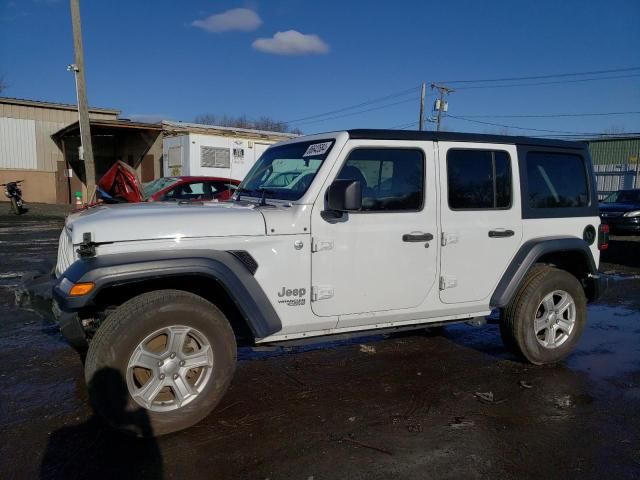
[155, 186]
[285, 172]
[624, 196]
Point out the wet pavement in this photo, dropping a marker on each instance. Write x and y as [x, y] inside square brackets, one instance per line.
[449, 403]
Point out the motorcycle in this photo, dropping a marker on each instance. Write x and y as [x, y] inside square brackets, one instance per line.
[13, 192]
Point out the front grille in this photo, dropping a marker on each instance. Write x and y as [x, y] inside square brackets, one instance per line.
[65, 252]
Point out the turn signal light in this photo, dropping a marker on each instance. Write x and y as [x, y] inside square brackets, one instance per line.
[80, 289]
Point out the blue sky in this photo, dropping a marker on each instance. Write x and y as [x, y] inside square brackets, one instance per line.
[151, 60]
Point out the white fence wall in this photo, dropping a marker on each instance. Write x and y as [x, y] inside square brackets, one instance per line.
[611, 178]
[18, 144]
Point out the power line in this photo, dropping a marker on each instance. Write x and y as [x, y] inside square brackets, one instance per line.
[552, 115]
[592, 135]
[570, 135]
[403, 126]
[331, 115]
[358, 105]
[556, 82]
[379, 107]
[538, 77]
[520, 128]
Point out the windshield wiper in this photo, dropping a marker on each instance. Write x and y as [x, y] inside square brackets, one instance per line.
[260, 192]
[264, 192]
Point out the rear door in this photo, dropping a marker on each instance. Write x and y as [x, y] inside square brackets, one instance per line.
[481, 218]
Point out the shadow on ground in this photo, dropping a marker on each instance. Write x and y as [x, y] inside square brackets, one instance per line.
[92, 449]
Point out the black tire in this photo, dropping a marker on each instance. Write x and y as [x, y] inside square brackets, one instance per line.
[120, 334]
[517, 322]
[14, 206]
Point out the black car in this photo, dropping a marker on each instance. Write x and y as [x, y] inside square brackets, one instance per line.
[621, 211]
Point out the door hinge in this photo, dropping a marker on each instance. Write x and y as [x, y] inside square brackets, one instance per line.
[448, 282]
[448, 238]
[321, 292]
[318, 245]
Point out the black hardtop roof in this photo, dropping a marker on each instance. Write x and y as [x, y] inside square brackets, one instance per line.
[379, 134]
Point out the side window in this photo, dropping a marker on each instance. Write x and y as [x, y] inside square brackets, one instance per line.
[556, 180]
[392, 179]
[479, 179]
[188, 191]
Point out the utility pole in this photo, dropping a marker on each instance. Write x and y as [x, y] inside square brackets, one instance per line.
[441, 104]
[83, 107]
[422, 95]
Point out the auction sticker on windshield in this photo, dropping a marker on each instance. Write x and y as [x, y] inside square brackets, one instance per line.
[317, 149]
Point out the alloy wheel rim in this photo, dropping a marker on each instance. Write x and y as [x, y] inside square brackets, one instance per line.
[169, 368]
[555, 319]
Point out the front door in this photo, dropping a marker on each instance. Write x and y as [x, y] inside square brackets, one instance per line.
[382, 257]
[481, 219]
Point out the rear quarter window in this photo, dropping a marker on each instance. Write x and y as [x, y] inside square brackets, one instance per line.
[556, 180]
[556, 183]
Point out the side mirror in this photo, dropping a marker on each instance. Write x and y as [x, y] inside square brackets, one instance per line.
[345, 195]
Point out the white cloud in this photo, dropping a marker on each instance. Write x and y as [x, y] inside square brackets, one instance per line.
[291, 42]
[240, 19]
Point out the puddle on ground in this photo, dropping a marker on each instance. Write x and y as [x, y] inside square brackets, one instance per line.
[609, 345]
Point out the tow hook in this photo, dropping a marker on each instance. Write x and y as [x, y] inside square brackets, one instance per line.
[87, 248]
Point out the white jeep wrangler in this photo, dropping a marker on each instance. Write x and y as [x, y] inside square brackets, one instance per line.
[333, 233]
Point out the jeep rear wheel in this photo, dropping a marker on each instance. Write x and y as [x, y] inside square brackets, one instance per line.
[168, 354]
[546, 317]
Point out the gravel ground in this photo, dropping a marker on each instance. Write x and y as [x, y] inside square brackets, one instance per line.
[445, 404]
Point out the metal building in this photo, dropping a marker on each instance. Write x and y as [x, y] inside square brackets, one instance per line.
[27, 151]
[616, 163]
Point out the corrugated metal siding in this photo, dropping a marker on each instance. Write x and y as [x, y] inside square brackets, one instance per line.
[616, 164]
[48, 152]
[18, 144]
[613, 177]
[615, 151]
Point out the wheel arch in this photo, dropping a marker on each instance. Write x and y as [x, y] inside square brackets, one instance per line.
[224, 278]
[571, 254]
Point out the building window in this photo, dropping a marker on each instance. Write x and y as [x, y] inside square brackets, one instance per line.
[175, 156]
[215, 157]
[479, 179]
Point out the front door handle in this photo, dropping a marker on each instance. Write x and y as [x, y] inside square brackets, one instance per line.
[501, 233]
[417, 237]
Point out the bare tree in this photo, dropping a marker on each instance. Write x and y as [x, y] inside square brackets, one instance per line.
[242, 121]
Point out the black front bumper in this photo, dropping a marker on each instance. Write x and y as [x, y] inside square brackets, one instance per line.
[72, 330]
[41, 292]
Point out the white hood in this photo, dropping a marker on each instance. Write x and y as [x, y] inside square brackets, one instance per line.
[148, 221]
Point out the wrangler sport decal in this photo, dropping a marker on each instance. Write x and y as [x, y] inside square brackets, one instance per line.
[292, 297]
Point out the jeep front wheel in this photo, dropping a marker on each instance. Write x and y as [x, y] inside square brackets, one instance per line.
[169, 355]
[546, 317]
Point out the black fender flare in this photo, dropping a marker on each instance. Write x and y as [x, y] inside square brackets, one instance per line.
[229, 269]
[528, 254]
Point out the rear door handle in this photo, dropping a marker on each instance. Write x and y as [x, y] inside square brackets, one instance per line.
[501, 233]
[417, 237]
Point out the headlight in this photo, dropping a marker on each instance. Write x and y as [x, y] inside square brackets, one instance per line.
[635, 213]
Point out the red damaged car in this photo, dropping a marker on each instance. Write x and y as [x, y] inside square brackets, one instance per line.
[120, 184]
